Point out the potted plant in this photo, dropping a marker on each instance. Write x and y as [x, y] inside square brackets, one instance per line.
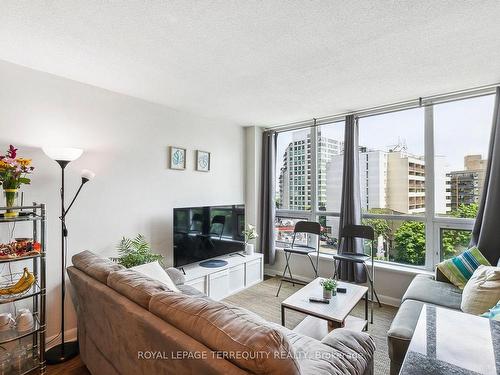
[250, 234]
[137, 251]
[13, 172]
[329, 288]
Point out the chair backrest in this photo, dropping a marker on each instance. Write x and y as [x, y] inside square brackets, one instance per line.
[219, 219]
[310, 227]
[358, 231]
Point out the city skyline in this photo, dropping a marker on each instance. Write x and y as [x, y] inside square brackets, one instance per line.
[468, 120]
[382, 186]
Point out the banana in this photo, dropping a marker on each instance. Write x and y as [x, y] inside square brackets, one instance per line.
[24, 283]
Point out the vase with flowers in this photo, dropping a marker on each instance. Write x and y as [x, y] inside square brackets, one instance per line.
[13, 173]
[250, 234]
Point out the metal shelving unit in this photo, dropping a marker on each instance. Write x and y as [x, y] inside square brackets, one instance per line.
[36, 215]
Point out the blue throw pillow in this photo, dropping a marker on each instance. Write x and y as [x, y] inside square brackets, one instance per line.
[494, 313]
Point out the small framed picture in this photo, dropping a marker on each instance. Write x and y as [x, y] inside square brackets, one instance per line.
[177, 158]
[202, 161]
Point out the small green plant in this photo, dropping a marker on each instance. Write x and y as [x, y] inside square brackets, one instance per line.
[329, 284]
[134, 252]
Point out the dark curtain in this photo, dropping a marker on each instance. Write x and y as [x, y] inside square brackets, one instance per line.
[486, 228]
[267, 189]
[350, 208]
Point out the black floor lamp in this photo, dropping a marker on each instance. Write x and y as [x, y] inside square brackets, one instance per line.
[63, 156]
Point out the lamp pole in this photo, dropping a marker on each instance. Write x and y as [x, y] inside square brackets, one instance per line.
[66, 350]
[63, 156]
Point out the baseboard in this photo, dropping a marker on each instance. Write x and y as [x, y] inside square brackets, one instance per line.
[69, 335]
[386, 300]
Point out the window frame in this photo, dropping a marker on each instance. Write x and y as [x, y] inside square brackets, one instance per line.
[434, 223]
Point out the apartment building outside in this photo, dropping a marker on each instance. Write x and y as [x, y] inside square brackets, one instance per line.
[466, 186]
[295, 175]
[393, 181]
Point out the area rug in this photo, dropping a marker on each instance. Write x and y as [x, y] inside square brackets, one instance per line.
[262, 300]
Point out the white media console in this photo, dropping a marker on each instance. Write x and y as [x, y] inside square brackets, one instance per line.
[239, 273]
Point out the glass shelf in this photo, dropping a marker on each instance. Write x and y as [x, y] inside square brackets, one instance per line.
[33, 291]
[28, 367]
[19, 258]
[29, 213]
[31, 217]
[13, 334]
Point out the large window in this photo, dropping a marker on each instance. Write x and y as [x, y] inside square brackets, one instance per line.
[392, 182]
[461, 138]
[329, 161]
[392, 163]
[293, 171]
[419, 217]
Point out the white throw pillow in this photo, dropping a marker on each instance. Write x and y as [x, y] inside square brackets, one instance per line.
[482, 291]
[155, 271]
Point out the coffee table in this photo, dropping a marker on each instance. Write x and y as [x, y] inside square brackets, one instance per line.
[452, 342]
[322, 318]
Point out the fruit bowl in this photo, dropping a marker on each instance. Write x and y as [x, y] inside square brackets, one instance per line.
[16, 284]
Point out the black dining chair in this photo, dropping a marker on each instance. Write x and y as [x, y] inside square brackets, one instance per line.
[364, 232]
[307, 228]
[217, 226]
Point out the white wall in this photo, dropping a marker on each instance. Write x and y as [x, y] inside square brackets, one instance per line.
[125, 142]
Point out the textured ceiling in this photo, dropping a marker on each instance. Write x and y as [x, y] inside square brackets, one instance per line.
[259, 62]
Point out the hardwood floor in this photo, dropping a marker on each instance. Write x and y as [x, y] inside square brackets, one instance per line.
[73, 367]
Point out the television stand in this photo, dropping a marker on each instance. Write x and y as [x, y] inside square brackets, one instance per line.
[239, 272]
[240, 254]
[182, 269]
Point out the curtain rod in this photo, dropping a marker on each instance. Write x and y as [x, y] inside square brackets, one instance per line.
[388, 108]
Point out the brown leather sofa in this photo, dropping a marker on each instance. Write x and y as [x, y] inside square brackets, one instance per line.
[131, 324]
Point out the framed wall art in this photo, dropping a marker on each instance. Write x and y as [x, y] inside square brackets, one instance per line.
[177, 158]
[202, 161]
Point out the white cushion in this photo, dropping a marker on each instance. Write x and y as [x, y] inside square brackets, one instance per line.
[155, 271]
[482, 291]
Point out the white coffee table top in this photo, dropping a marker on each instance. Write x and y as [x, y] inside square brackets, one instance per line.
[337, 310]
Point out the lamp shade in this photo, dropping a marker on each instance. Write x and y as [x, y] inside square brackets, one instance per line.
[63, 153]
[87, 174]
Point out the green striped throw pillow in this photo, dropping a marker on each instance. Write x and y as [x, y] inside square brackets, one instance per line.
[460, 268]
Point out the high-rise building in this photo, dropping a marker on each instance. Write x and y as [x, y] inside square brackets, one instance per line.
[466, 186]
[295, 175]
[390, 182]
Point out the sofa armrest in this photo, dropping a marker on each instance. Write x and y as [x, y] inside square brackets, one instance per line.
[353, 344]
[176, 275]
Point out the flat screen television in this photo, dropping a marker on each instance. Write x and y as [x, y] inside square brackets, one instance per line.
[202, 233]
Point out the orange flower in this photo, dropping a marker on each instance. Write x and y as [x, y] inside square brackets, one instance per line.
[4, 165]
[24, 162]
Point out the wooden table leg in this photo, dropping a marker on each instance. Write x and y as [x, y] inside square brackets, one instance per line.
[333, 325]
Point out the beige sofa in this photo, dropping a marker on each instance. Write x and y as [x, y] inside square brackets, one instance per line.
[131, 324]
